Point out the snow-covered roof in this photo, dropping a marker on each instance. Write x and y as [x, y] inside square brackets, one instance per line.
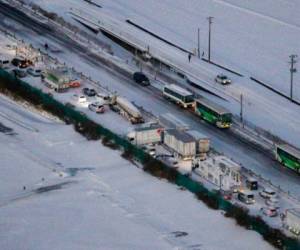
[179, 90]
[289, 149]
[214, 106]
[226, 161]
[246, 192]
[197, 135]
[150, 127]
[180, 135]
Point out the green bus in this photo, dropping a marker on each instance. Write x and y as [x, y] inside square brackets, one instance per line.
[180, 96]
[288, 156]
[213, 113]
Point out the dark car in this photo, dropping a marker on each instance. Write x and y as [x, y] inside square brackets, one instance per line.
[89, 92]
[252, 184]
[19, 73]
[141, 78]
[21, 63]
[16, 62]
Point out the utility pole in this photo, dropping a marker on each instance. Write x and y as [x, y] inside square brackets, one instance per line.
[242, 109]
[198, 43]
[221, 182]
[292, 71]
[209, 35]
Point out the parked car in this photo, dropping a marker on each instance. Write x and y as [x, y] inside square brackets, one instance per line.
[16, 62]
[89, 92]
[34, 72]
[150, 149]
[74, 83]
[4, 63]
[102, 96]
[21, 63]
[269, 211]
[251, 184]
[273, 202]
[141, 78]
[19, 73]
[10, 47]
[224, 80]
[97, 107]
[227, 195]
[80, 98]
[267, 193]
[246, 197]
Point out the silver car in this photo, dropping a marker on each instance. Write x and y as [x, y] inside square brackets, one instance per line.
[34, 72]
[97, 107]
[267, 193]
[224, 80]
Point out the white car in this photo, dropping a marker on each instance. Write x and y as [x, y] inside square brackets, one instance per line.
[224, 80]
[34, 72]
[80, 98]
[97, 107]
[267, 193]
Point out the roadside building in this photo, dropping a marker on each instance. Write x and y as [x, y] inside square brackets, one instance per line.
[292, 221]
[220, 171]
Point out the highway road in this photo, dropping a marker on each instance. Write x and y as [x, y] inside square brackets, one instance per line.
[150, 98]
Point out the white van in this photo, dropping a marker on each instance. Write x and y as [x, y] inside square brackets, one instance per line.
[246, 197]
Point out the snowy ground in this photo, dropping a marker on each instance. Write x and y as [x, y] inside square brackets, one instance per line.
[236, 44]
[81, 195]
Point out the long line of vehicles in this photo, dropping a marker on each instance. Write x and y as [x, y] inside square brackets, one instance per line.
[222, 118]
[202, 107]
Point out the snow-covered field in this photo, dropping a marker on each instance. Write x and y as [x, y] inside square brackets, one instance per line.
[80, 195]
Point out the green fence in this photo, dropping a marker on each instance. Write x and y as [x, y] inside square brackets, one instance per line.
[91, 130]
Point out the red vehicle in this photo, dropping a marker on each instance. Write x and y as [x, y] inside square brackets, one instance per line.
[74, 84]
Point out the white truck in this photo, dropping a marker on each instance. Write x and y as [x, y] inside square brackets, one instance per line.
[186, 144]
[127, 109]
[145, 135]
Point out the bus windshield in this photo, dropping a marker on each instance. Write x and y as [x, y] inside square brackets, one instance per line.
[189, 98]
[226, 118]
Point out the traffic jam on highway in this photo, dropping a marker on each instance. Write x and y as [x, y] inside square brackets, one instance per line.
[165, 137]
